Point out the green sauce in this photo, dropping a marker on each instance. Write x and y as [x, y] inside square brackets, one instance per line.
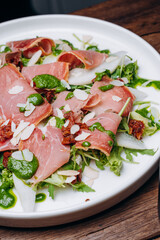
[7, 198]
[106, 87]
[86, 144]
[22, 168]
[40, 197]
[99, 127]
[36, 99]
[46, 81]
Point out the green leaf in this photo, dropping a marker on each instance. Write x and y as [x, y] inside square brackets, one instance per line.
[82, 187]
[96, 49]
[6, 49]
[25, 61]
[100, 75]
[51, 190]
[69, 44]
[100, 165]
[55, 50]
[71, 166]
[59, 122]
[1, 160]
[56, 180]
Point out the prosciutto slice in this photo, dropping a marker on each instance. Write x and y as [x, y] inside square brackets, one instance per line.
[7, 145]
[99, 140]
[113, 99]
[57, 69]
[10, 57]
[75, 104]
[76, 58]
[30, 46]
[9, 78]
[50, 152]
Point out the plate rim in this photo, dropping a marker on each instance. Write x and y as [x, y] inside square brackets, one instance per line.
[64, 211]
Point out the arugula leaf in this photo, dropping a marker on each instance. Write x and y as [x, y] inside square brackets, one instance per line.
[96, 49]
[100, 165]
[55, 50]
[82, 187]
[69, 44]
[6, 49]
[100, 75]
[1, 160]
[51, 190]
[25, 61]
[59, 122]
[123, 127]
[55, 179]
[129, 152]
[71, 166]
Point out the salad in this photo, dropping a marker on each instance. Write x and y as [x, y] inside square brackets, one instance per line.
[62, 108]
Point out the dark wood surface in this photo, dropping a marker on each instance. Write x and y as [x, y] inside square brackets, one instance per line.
[136, 217]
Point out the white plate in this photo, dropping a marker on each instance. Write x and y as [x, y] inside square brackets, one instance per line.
[69, 205]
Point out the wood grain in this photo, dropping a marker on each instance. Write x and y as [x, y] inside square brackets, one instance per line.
[136, 217]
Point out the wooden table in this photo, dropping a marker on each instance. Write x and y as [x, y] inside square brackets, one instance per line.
[136, 217]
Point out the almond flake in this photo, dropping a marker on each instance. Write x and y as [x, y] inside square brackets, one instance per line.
[15, 140]
[68, 173]
[116, 98]
[70, 179]
[22, 125]
[59, 113]
[21, 105]
[67, 107]
[52, 122]
[88, 117]
[29, 109]
[27, 132]
[16, 89]
[13, 126]
[28, 156]
[65, 84]
[75, 128]
[66, 123]
[80, 94]
[17, 155]
[5, 123]
[117, 83]
[82, 136]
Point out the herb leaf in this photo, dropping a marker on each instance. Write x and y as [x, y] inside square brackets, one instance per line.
[82, 187]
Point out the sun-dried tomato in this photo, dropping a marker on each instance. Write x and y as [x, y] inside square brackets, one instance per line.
[78, 177]
[5, 132]
[48, 94]
[6, 155]
[136, 128]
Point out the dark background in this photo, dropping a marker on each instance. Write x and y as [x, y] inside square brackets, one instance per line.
[16, 8]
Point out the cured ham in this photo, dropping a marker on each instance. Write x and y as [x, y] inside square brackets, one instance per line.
[10, 57]
[74, 104]
[100, 140]
[113, 99]
[50, 152]
[79, 58]
[7, 145]
[10, 78]
[30, 46]
[57, 69]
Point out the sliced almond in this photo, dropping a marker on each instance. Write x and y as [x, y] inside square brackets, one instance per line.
[117, 83]
[116, 98]
[68, 173]
[5, 123]
[22, 125]
[59, 113]
[75, 128]
[80, 94]
[65, 84]
[88, 117]
[27, 132]
[13, 126]
[70, 179]
[66, 123]
[82, 136]
[15, 90]
[67, 108]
